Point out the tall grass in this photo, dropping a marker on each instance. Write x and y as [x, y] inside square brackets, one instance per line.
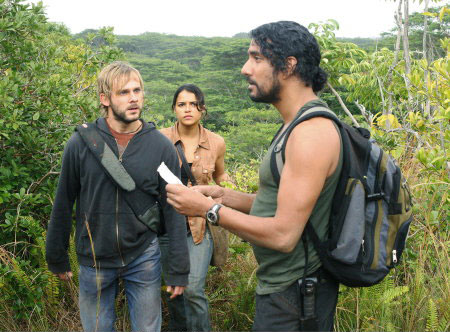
[36, 302]
[231, 291]
[414, 297]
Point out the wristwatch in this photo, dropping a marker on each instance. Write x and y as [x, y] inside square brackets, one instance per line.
[213, 214]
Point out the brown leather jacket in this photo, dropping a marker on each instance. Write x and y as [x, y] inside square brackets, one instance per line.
[210, 148]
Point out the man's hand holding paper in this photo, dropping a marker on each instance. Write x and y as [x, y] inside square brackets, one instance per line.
[188, 201]
[185, 200]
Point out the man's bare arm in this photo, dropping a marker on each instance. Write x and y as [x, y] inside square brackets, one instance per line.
[228, 197]
[312, 153]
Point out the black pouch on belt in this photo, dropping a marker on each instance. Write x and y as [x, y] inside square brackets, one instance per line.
[308, 317]
[308, 285]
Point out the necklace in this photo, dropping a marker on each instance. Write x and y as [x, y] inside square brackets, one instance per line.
[132, 132]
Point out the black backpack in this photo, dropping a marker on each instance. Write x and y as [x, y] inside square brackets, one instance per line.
[371, 210]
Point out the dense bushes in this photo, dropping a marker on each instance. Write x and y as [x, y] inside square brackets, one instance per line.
[47, 86]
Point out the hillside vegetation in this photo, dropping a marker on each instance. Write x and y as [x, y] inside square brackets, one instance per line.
[399, 91]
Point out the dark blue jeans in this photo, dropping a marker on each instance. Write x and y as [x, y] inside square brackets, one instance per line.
[281, 311]
[190, 311]
[142, 278]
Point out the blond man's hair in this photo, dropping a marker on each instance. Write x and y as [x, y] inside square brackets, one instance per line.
[113, 76]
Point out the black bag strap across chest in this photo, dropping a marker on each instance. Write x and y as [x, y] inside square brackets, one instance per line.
[138, 200]
[185, 164]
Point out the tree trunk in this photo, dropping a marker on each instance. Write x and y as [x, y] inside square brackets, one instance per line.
[406, 54]
[398, 21]
[341, 102]
[426, 56]
[364, 112]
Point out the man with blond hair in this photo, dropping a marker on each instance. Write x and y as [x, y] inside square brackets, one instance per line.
[111, 240]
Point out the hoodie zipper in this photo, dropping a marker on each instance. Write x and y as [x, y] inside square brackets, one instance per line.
[117, 200]
[117, 226]
[117, 208]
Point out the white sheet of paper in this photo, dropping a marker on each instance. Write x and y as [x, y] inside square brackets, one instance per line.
[167, 175]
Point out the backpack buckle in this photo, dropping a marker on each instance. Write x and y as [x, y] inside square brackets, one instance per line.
[375, 196]
[277, 148]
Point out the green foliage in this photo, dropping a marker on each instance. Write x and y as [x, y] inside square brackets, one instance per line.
[370, 309]
[438, 28]
[231, 291]
[250, 132]
[245, 177]
[47, 84]
[432, 317]
[168, 61]
[47, 80]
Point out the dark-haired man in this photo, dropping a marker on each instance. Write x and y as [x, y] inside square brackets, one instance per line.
[283, 69]
[112, 243]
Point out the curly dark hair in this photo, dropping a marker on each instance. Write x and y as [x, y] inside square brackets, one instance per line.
[280, 40]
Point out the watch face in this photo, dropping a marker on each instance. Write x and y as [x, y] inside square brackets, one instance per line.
[212, 217]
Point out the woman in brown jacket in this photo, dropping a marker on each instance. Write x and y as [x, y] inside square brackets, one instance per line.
[204, 152]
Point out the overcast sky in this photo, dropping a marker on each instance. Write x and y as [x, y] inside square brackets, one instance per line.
[357, 18]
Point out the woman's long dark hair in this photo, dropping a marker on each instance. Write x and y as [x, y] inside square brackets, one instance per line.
[198, 95]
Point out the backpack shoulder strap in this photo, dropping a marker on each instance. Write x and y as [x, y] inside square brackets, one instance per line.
[105, 156]
[185, 164]
[277, 157]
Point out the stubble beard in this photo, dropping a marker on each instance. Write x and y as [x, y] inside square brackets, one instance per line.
[122, 116]
[271, 96]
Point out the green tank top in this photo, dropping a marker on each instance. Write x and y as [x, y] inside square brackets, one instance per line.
[277, 270]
